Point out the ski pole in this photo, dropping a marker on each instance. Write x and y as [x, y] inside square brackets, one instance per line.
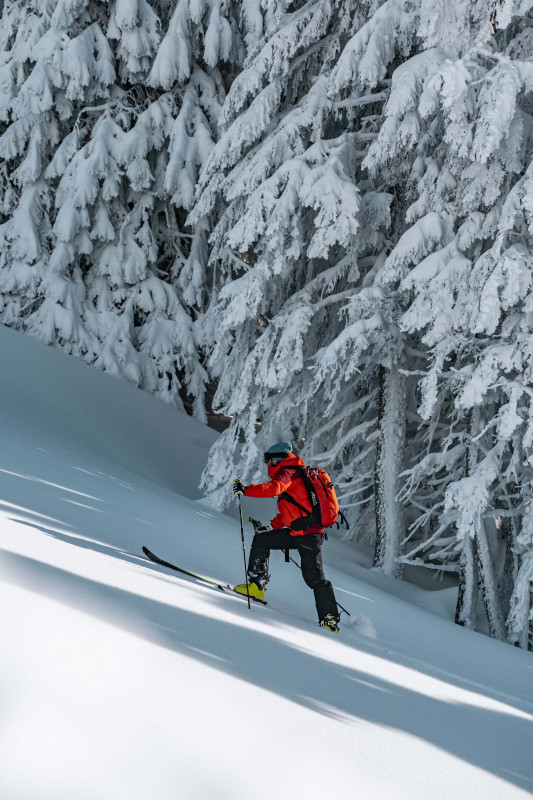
[244, 552]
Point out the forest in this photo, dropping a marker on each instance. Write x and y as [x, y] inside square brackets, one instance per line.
[313, 218]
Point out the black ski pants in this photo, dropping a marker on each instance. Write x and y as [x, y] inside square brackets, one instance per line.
[309, 545]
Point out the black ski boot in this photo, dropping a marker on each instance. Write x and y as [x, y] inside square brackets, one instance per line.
[330, 622]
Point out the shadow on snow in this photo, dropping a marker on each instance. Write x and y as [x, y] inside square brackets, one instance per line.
[468, 732]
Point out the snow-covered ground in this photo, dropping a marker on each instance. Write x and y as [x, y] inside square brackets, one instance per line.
[120, 680]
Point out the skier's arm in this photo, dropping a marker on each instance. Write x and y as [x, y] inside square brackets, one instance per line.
[272, 488]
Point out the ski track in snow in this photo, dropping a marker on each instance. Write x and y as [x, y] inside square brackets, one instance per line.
[121, 679]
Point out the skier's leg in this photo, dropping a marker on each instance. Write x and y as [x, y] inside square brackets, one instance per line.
[310, 547]
[262, 544]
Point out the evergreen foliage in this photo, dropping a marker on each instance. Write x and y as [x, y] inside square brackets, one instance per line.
[296, 244]
[108, 111]
[381, 203]
[466, 168]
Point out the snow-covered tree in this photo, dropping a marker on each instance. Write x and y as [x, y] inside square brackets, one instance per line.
[296, 236]
[306, 334]
[458, 135]
[108, 111]
[361, 245]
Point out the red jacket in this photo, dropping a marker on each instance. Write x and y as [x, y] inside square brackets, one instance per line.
[285, 478]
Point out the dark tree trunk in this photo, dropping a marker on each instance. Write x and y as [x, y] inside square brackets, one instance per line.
[466, 598]
[390, 528]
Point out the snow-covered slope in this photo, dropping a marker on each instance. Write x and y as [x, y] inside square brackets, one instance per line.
[122, 680]
[61, 402]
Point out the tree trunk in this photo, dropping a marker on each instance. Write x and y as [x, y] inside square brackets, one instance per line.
[466, 598]
[477, 566]
[520, 619]
[510, 566]
[530, 638]
[488, 583]
[390, 527]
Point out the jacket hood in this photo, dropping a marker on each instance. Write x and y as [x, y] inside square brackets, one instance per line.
[291, 460]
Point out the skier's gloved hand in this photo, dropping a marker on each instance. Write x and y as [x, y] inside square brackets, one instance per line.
[259, 527]
[264, 528]
[238, 488]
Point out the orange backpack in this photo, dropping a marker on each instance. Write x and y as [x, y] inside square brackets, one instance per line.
[324, 509]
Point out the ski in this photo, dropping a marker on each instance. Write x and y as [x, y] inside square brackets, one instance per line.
[225, 587]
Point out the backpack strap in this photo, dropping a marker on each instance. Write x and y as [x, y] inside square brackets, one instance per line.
[286, 496]
[342, 519]
[314, 517]
[313, 497]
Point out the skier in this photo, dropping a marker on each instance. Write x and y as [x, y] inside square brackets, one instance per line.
[284, 476]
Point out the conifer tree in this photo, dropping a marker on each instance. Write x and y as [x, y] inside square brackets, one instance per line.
[108, 111]
[458, 133]
[304, 322]
[291, 225]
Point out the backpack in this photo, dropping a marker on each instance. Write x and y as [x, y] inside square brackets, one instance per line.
[322, 498]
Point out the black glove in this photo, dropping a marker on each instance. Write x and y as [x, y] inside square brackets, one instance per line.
[238, 488]
[264, 528]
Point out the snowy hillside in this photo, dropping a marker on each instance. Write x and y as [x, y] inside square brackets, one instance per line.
[123, 681]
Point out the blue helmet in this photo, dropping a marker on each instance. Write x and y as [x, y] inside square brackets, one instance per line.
[280, 450]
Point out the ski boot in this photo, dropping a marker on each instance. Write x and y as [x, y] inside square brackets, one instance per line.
[253, 589]
[331, 622]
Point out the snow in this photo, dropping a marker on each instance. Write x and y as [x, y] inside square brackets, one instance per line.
[120, 679]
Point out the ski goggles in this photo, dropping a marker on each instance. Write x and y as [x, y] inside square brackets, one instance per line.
[274, 456]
